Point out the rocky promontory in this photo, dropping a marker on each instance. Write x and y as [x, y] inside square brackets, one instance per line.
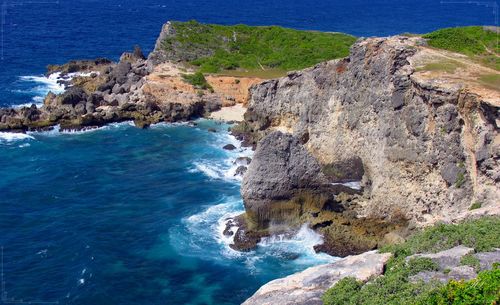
[369, 147]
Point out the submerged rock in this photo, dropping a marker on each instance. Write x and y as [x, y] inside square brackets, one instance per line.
[229, 147]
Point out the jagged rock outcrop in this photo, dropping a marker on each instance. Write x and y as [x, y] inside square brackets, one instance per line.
[308, 286]
[146, 91]
[427, 150]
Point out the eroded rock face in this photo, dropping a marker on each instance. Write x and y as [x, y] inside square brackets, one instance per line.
[425, 152]
[308, 286]
[280, 168]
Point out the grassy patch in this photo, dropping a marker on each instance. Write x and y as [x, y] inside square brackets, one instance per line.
[216, 48]
[198, 80]
[481, 234]
[264, 74]
[448, 66]
[476, 205]
[471, 261]
[473, 41]
[491, 81]
[470, 40]
[460, 180]
[395, 286]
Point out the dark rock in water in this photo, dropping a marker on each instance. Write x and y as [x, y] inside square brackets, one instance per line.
[243, 161]
[78, 66]
[230, 225]
[290, 256]
[241, 170]
[30, 113]
[229, 147]
[141, 124]
[212, 130]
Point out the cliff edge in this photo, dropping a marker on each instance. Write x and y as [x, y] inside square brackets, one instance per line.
[384, 146]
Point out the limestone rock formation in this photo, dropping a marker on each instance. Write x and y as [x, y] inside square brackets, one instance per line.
[425, 149]
[308, 286]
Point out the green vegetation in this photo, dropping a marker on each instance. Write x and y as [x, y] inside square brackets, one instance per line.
[476, 205]
[485, 289]
[470, 260]
[491, 81]
[473, 41]
[460, 180]
[198, 80]
[449, 66]
[395, 286]
[264, 74]
[215, 48]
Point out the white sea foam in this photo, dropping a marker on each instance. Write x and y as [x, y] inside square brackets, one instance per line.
[355, 185]
[302, 243]
[11, 136]
[223, 169]
[45, 84]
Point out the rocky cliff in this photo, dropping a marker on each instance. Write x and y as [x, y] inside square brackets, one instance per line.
[144, 90]
[366, 147]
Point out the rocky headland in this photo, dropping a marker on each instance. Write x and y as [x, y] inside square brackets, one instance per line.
[365, 149]
[139, 89]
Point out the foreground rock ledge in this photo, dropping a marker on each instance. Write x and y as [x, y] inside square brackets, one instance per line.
[308, 286]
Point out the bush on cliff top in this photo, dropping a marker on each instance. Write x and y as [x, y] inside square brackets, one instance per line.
[395, 287]
[485, 289]
[251, 47]
[198, 80]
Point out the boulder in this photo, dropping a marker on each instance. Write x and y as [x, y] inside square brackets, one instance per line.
[229, 147]
[120, 71]
[241, 170]
[307, 287]
[446, 259]
[73, 96]
[281, 167]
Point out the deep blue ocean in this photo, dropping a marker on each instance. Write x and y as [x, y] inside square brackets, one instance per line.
[120, 215]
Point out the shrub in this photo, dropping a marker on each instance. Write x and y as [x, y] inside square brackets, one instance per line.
[476, 205]
[485, 289]
[470, 260]
[215, 47]
[198, 80]
[395, 286]
[470, 40]
[343, 292]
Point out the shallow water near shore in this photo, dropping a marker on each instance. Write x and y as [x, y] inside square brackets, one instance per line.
[120, 215]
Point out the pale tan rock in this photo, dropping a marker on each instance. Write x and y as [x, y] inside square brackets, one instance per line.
[308, 286]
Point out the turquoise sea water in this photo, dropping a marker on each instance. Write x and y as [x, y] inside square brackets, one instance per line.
[120, 215]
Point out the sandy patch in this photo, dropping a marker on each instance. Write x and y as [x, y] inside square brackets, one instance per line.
[232, 113]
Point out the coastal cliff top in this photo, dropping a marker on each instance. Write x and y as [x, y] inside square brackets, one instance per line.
[266, 51]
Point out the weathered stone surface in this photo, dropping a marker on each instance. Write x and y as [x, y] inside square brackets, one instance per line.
[426, 151]
[307, 287]
[281, 167]
[448, 258]
[454, 273]
[487, 259]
